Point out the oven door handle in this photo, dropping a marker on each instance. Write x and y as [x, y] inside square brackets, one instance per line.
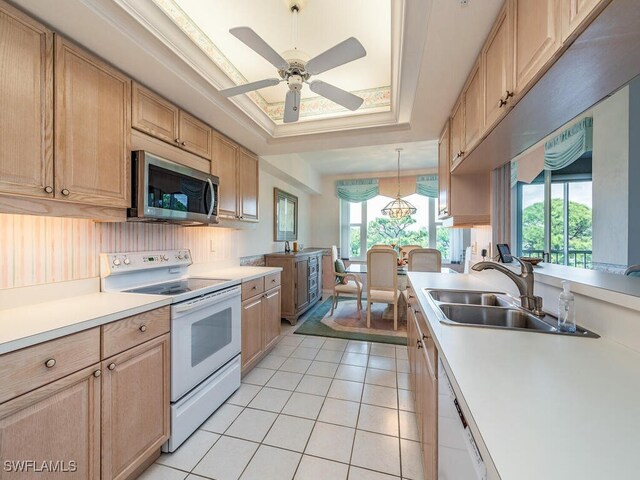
[212, 199]
[206, 301]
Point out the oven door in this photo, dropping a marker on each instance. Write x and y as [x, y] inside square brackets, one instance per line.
[205, 335]
[165, 190]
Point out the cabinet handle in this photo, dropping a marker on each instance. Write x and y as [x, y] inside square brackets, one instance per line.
[418, 344]
[253, 288]
[65, 192]
[502, 102]
[183, 143]
[48, 189]
[97, 373]
[508, 94]
[143, 328]
[111, 366]
[177, 140]
[424, 337]
[50, 363]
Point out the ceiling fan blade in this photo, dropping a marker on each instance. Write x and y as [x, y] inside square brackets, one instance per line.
[292, 106]
[344, 52]
[252, 40]
[248, 87]
[335, 94]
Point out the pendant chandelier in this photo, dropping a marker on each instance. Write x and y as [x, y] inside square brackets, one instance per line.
[399, 208]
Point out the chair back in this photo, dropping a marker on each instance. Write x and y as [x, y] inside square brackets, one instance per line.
[334, 254]
[425, 260]
[405, 249]
[382, 245]
[633, 271]
[382, 269]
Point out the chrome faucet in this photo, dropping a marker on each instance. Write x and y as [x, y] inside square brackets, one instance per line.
[524, 282]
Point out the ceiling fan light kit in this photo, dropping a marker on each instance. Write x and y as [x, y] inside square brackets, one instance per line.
[295, 68]
[399, 208]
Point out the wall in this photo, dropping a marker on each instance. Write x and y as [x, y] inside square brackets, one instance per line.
[610, 179]
[36, 250]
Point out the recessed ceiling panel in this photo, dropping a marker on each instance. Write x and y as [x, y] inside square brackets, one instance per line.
[321, 24]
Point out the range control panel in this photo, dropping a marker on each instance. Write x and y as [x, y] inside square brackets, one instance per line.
[113, 263]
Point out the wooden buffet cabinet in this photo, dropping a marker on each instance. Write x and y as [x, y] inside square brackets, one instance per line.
[260, 318]
[301, 280]
[99, 398]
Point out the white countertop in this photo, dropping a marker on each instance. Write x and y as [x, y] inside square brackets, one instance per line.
[27, 323]
[545, 406]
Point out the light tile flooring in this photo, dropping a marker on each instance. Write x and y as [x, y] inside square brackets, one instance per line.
[314, 408]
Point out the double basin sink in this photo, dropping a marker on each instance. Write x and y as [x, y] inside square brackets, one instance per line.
[493, 310]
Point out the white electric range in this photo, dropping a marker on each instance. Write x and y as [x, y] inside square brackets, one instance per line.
[205, 330]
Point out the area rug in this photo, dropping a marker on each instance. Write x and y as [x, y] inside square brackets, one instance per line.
[347, 322]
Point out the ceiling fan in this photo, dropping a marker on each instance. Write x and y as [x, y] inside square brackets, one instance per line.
[295, 68]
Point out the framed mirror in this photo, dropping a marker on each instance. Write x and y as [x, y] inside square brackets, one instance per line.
[285, 216]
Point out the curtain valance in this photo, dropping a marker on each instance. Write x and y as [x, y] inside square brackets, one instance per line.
[427, 185]
[359, 190]
[514, 173]
[570, 145]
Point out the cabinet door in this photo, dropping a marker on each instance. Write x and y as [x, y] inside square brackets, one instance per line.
[271, 309]
[412, 338]
[248, 184]
[93, 129]
[537, 37]
[135, 407]
[252, 330]
[59, 422]
[574, 12]
[152, 114]
[302, 283]
[457, 132]
[497, 64]
[444, 173]
[195, 136]
[473, 109]
[225, 163]
[26, 105]
[429, 416]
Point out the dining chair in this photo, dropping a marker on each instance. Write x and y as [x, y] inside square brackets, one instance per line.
[347, 283]
[633, 271]
[382, 281]
[425, 260]
[405, 249]
[382, 245]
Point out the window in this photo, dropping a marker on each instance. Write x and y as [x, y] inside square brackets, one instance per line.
[364, 225]
[554, 216]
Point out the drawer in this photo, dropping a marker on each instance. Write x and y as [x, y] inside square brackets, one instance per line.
[272, 280]
[313, 269]
[32, 367]
[131, 331]
[252, 288]
[313, 284]
[313, 261]
[313, 296]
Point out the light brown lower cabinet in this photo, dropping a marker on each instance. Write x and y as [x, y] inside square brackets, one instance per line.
[135, 397]
[423, 357]
[261, 313]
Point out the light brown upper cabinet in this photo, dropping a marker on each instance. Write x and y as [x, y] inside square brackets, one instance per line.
[497, 63]
[575, 12]
[224, 164]
[473, 109]
[537, 37]
[456, 151]
[92, 129]
[26, 105]
[248, 185]
[158, 117]
[444, 172]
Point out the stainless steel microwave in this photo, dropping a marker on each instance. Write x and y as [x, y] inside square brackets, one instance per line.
[164, 191]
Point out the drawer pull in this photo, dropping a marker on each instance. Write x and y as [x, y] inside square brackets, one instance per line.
[111, 366]
[97, 373]
[253, 288]
[65, 192]
[143, 328]
[418, 344]
[48, 189]
[50, 363]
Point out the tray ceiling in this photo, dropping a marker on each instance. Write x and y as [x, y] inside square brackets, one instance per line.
[321, 24]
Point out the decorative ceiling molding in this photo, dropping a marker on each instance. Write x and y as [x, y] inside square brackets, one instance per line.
[375, 99]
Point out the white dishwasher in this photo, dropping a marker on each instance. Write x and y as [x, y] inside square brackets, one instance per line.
[458, 455]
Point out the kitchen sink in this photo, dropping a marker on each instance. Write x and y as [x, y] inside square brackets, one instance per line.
[468, 297]
[489, 316]
[475, 308]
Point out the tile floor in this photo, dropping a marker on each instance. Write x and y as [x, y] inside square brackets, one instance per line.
[314, 409]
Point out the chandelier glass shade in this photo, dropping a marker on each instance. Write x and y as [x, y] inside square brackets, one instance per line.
[398, 208]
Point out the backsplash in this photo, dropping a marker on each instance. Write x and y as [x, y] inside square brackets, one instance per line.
[36, 250]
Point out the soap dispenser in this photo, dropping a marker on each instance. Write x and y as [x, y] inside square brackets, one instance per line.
[566, 309]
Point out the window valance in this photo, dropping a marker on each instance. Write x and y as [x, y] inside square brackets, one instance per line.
[427, 185]
[359, 190]
[570, 145]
